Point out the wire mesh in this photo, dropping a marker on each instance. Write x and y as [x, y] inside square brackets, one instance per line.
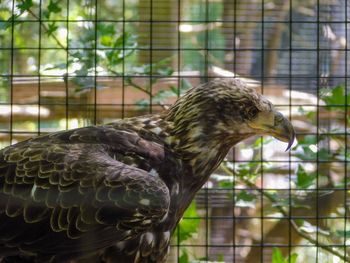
[71, 63]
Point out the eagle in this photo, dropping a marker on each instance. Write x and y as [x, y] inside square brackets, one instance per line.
[115, 192]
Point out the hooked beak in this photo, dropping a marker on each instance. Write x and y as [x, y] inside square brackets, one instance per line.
[283, 130]
[276, 125]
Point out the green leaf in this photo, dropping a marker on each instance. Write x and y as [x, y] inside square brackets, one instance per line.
[53, 7]
[5, 25]
[226, 184]
[114, 57]
[174, 89]
[308, 139]
[336, 97]
[24, 5]
[304, 179]
[105, 29]
[324, 155]
[343, 233]
[293, 258]
[188, 227]
[309, 153]
[119, 42]
[184, 256]
[51, 28]
[185, 85]
[245, 196]
[166, 71]
[215, 10]
[310, 114]
[106, 40]
[220, 258]
[9, 22]
[245, 199]
[299, 221]
[277, 256]
[142, 103]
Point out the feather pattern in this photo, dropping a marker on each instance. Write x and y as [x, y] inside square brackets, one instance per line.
[115, 193]
[69, 184]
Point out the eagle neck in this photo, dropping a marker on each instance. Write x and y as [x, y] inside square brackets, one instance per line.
[202, 149]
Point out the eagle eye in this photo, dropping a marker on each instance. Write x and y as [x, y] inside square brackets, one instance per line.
[252, 112]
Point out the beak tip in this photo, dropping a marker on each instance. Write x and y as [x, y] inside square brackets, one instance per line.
[291, 141]
[289, 146]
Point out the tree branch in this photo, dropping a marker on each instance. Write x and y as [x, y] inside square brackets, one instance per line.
[47, 30]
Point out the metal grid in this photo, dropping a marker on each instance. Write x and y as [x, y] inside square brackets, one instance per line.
[295, 52]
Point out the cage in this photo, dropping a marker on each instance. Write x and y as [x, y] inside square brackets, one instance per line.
[66, 64]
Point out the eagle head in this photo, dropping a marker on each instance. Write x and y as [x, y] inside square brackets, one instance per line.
[225, 109]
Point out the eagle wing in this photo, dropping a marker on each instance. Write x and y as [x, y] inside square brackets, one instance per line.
[69, 193]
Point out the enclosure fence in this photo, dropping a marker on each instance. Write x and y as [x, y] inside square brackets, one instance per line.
[71, 63]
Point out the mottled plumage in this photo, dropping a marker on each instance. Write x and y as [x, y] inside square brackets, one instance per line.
[115, 193]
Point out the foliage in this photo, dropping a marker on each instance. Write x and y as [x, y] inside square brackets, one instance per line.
[277, 257]
[304, 179]
[103, 50]
[187, 229]
[309, 150]
[162, 95]
[53, 7]
[343, 233]
[336, 98]
[22, 7]
[188, 226]
[109, 60]
[196, 59]
[184, 258]
[4, 95]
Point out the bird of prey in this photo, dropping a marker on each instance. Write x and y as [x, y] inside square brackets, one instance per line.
[115, 192]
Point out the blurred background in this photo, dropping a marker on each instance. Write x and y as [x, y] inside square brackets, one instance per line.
[72, 63]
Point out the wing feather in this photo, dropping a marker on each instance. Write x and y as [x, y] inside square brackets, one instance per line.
[66, 187]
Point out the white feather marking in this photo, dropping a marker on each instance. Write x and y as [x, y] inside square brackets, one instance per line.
[33, 191]
[137, 214]
[157, 130]
[175, 189]
[154, 173]
[153, 123]
[147, 222]
[120, 245]
[166, 236]
[137, 257]
[145, 202]
[147, 237]
[164, 217]
[196, 132]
